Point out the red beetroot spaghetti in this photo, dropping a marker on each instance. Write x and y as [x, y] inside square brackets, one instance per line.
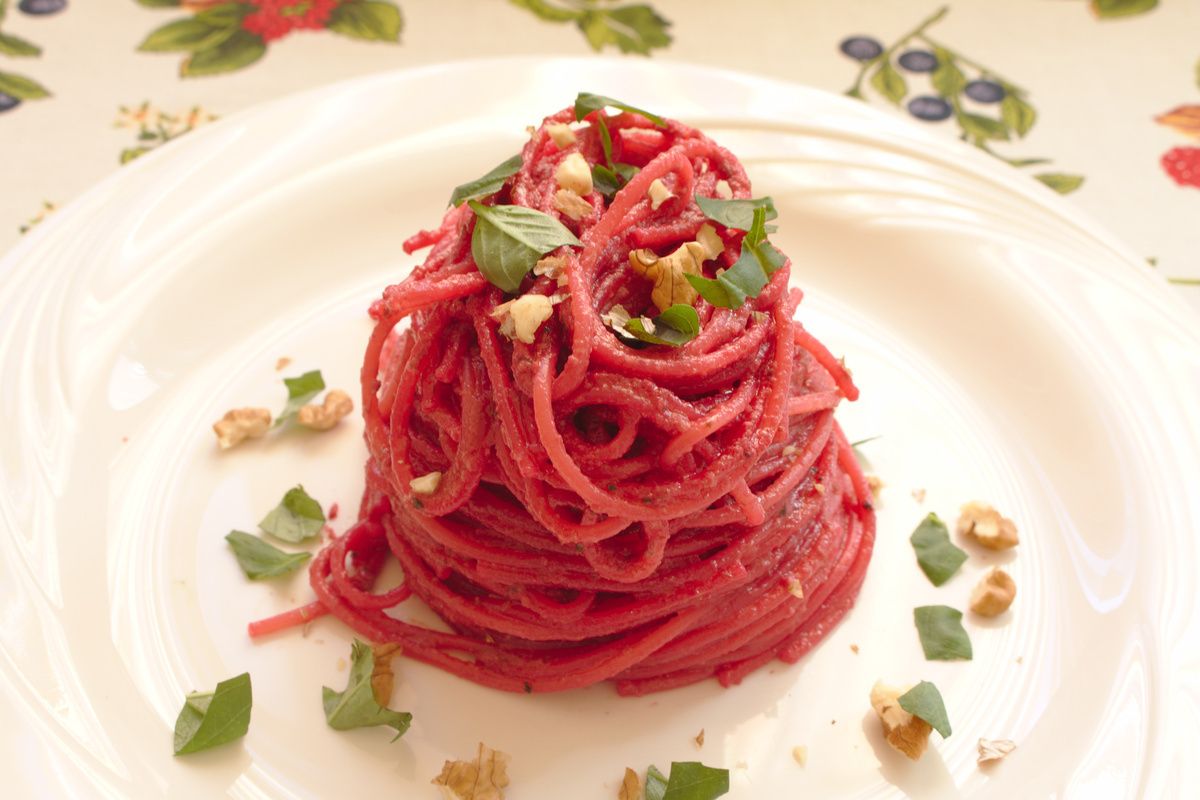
[580, 505]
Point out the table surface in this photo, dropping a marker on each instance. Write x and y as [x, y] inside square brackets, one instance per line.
[1101, 97]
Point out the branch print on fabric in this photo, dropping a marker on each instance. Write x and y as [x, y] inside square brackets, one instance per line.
[155, 128]
[227, 36]
[14, 88]
[631, 28]
[936, 83]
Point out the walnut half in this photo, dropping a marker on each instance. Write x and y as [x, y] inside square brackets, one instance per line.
[903, 731]
[994, 594]
[979, 520]
[241, 424]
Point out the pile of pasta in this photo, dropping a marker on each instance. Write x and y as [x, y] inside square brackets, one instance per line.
[581, 501]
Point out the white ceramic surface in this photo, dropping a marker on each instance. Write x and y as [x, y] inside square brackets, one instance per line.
[1007, 350]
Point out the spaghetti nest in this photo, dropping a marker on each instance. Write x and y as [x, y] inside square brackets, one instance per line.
[579, 505]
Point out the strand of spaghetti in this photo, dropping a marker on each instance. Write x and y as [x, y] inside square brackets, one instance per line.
[288, 619]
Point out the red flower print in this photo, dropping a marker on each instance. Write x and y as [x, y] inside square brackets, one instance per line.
[1183, 164]
[275, 19]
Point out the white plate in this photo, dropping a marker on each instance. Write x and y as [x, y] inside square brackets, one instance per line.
[1006, 348]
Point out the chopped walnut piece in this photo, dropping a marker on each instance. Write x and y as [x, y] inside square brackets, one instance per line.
[426, 484]
[903, 731]
[658, 193]
[875, 484]
[282, 362]
[562, 134]
[571, 204]
[631, 786]
[483, 778]
[800, 753]
[994, 594]
[796, 588]
[521, 318]
[574, 174]
[708, 238]
[552, 267]
[700, 739]
[994, 749]
[667, 273]
[323, 417]
[616, 318]
[382, 677]
[987, 526]
[241, 424]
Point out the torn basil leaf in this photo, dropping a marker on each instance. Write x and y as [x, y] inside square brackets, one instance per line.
[925, 701]
[676, 326]
[214, 718]
[691, 780]
[356, 707]
[937, 556]
[509, 240]
[296, 518]
[587, 102]
[943, 637]
[300, 391]
[605, 141]
[489, 184]
[737, 214]
[656, 783]
[259, 559]
[609, 181]
[749, 274]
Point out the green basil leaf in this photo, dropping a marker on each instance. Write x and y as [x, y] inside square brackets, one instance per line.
[936, 555]
[606, 181]
[509, 240]
[260, 560]
[586, 103]
[300, 391]
[737, 214]
[656, 783]
[356, 707]
[20, 87]
[942, 635]
[925, 701]
[676, 326]
[691, 780]
[214, 718]
[889, 82]
[609, 181]
[489, 184]
[749, 274]
[16, 46]
[296, 518]
[367, 19]
[606, 142]
[239, 50]
[1058, 181]
[626, 171]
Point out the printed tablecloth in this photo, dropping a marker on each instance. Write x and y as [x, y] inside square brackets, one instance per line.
[1098, 99]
